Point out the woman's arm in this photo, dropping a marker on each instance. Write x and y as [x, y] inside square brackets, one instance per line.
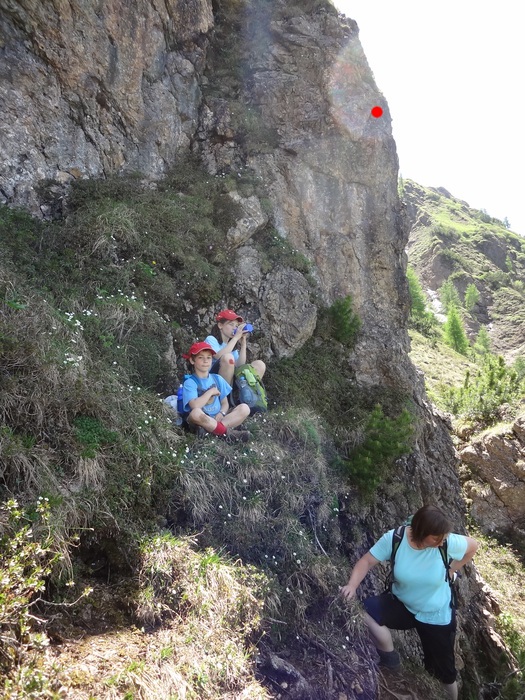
[456, 565]
[359, 572]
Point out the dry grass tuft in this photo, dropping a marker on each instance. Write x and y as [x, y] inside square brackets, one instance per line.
[210, 611]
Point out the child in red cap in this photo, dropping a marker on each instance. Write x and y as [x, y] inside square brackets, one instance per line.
[228, 340]
[205, 398]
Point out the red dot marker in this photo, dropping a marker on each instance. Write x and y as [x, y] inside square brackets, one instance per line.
[376, 112]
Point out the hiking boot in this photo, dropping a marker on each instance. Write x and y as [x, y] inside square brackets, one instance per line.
[389, 659]
[237, 435]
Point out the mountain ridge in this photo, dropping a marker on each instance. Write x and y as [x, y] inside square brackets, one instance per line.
[448, 240]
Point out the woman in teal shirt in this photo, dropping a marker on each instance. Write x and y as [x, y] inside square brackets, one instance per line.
[421, 595]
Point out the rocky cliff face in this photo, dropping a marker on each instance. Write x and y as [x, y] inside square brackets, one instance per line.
[495, 479]
[89, 89]
[87, 92]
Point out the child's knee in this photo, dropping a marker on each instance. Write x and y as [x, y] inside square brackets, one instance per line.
[196, 416]
[227, 360]
[244, 410]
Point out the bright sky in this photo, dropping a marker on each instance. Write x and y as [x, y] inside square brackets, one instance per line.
[452, 74]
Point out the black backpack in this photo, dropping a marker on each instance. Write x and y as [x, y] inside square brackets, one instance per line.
[397, 536]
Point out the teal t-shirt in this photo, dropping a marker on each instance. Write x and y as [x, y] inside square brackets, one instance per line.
[420, 576]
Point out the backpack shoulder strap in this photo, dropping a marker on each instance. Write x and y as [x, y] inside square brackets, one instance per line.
[397, 536]
[215, 379]
[443, 550]
[196, 379]
[197, 382]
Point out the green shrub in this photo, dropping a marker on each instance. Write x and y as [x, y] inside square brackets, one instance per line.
[444, 233]
[482, 345]
[454, 331]
[317, 378]
[482, 395]
[28, 552]
[519, 367]
[384, 440]
[471, 296]
[496, 279]
[345, 322]
[449, 295]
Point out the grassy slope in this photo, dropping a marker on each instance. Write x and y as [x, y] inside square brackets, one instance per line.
[440, 364]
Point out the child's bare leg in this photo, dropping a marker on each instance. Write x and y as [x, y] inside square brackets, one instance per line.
[227, 368]
[202, 420]
[236, 416]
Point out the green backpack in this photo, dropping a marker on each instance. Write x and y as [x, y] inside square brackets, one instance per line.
[248, 388]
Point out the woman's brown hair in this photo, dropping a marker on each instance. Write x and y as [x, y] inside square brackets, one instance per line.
[429, 520]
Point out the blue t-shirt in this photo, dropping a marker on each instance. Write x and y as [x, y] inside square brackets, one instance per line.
[192, 389]
[212, 340]
[420, 576]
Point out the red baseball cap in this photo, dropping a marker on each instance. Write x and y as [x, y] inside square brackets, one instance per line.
[228, 315]
[196, 348]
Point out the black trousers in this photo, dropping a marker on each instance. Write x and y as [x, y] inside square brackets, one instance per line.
[437, 640]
